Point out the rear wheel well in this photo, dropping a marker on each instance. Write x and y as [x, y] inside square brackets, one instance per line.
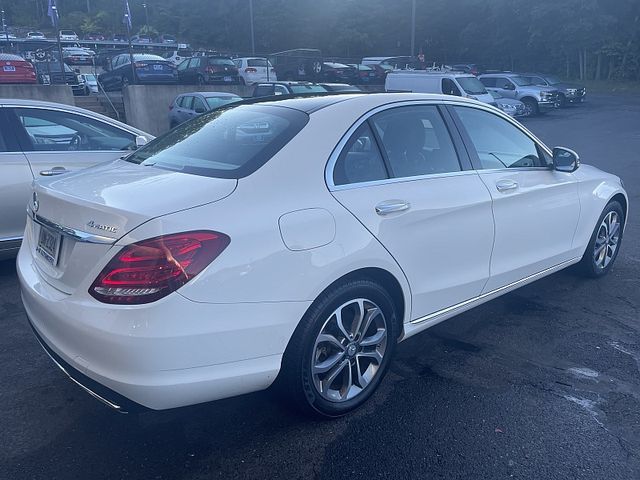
[386, 280]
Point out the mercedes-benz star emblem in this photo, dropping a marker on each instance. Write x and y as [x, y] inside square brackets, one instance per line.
[36, 203]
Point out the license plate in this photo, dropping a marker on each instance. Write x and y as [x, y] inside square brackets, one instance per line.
[372, 74]
[9, 68]
[227, 79]
[157, 67]
[49, 245]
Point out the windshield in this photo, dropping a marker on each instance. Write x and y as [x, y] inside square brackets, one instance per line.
[215, 102]
[472, 85]
[495, 95]
[89, 77]
[227, 143]
[307, 89]
[552, 80]
[521, 81]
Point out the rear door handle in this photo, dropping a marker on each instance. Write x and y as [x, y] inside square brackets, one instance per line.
[392, 206]
[53, 171]
[506, 185]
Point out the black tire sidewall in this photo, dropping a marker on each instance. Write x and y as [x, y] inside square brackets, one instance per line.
[588, 263]
[298, 358]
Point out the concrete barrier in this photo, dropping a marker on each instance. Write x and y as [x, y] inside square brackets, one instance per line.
[147, 106]
[47, 93]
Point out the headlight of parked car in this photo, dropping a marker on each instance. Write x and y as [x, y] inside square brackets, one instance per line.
[546, 95]
[572, 91]
[506, 106]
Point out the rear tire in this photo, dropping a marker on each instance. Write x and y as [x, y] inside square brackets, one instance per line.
[603, 248]
[200, 80]
[563, 101]
[333, 366]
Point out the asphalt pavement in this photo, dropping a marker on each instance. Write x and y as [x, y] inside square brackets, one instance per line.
[543, 383]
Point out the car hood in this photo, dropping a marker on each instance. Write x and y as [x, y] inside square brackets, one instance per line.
[565, 86]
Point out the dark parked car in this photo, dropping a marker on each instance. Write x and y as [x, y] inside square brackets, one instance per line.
[15, 69]
[208, 70]
[298, 64]
[340, 87]
[472, 68]
[141, 39]
[189, 105]
[338, 72]
[569, 92]
[369, 75]
[77, 56]
[268, 89]
[97, 37]
[119, 37]
[50, 73]
[165, 38]
[149, 69]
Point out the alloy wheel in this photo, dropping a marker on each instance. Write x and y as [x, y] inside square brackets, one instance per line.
[349, 350]
[607, 240]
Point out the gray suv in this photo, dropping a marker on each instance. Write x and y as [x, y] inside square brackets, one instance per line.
[569, 92]
[536, 98]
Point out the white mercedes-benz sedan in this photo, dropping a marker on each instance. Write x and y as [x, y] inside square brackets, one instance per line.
[301, 240]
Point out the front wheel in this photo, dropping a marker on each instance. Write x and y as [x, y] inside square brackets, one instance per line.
[341, 350]
[530, 107]
[604, 245]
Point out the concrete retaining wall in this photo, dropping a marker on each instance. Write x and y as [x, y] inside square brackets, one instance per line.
[47, 93]
[147, 106]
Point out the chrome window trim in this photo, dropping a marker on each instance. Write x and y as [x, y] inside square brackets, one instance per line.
[335, 154]
[77, 235]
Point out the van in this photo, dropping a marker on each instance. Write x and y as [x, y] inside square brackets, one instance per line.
[448, 83]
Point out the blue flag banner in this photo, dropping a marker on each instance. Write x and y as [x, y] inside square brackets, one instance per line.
[127, 14]
[52, 13]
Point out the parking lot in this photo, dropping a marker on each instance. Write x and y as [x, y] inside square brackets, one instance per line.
[543, 383]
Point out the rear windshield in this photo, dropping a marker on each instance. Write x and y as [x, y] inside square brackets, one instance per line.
[257, 62]
[221, 61]
[227, 143]
[307, 89]
[472, 85]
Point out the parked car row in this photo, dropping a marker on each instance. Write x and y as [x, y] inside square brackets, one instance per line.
[70, 36]
[518, 94]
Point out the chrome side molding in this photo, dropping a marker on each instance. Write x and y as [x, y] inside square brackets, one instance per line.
[78, 235]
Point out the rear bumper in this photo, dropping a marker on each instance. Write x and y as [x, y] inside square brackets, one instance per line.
[220, 79]
[167, 354]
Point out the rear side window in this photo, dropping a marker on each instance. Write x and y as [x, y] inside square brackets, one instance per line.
[228, 143]
[360, 160]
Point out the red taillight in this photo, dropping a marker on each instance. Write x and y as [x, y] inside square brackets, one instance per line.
[210, 69]
[146, 271]
[250, 70]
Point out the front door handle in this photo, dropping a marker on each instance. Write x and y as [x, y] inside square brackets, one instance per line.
[506, 185]
[53, 171]
[392, 206]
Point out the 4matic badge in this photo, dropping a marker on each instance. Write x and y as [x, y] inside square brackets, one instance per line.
[104, 228]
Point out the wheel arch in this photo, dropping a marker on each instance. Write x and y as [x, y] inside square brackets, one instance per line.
[622, 200]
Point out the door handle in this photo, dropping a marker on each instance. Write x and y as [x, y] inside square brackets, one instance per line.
[506, 185]
[53, 171]
[392, 206]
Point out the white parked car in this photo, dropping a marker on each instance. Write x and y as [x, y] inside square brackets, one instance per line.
[36, 36]
[255, 70]
[68, 35]
[300, 238]
[49, 139]
[448, 83]
[90, 83]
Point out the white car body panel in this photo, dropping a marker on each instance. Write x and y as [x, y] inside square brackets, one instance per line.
[260, 75]
[225, 331]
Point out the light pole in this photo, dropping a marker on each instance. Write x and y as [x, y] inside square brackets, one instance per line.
[253, 41]
[413, 27]
[146, 17]
[4, 29]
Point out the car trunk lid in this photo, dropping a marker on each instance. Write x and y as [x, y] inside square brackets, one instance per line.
[76, 218]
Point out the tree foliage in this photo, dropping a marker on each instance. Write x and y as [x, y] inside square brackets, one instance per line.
[588, 38]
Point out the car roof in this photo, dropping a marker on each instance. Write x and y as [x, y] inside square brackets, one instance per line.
[313, 103]
[211, 94]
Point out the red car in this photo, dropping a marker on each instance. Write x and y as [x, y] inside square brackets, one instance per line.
[15, 69]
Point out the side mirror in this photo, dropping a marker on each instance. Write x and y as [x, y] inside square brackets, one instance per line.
[199, 110]
[509, 86]
[141, 141]
[565, 160]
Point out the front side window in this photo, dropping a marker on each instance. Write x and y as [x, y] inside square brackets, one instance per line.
[58, 131]
[198, 105]
[504, 83]
[498, 143]
[488, 81]
[449, 87]
[228, 143]
[416, 141]
[360, 160]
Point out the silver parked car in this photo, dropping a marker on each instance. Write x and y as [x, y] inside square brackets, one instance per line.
[510, 106]
[536, 98]
[190, 105]
[43, 139]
